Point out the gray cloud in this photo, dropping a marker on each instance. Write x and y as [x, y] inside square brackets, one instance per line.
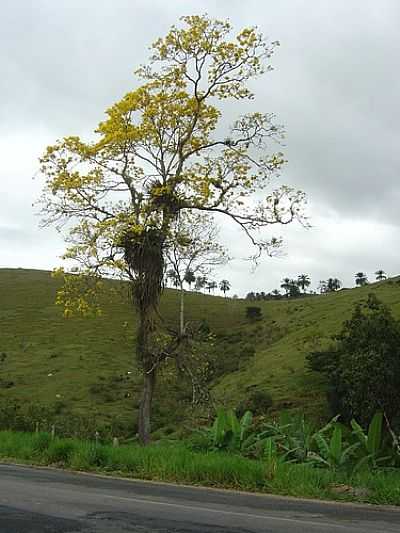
[335, 86]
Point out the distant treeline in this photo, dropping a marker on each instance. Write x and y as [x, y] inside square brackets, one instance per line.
[295, 288]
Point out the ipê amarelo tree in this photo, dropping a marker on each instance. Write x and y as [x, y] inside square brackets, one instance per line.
[158, 153]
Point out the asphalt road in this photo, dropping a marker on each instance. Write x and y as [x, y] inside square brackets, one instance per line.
[44, 500]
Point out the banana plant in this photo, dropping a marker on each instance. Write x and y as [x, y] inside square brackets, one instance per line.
[371, 443]
[219, 429]
[332, 453]
[228, 432]
[280, 436]
[296, 439]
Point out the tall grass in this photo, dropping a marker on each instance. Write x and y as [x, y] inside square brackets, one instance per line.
[176, 463]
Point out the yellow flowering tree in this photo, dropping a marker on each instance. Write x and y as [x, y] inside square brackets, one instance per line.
[159, 153]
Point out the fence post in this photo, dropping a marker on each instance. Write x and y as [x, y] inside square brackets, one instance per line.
[115, 442]
[96, 436]
[37, 427]
[53, 431]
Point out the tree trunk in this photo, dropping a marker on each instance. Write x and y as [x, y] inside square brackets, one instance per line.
[182, 313]
[144, 255]
[149, 370]
[144, 427]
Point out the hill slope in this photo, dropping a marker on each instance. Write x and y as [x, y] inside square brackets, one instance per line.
[87, 365]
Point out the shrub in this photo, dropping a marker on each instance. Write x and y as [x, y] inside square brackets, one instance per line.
[258, 402]
[60, 451]
[253, 313]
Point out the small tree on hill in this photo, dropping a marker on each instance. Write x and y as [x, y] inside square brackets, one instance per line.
[211, 286]
[323, 286]
[361, 279]
[294, 290]
[380, 275]
[253, 313]
[250, 296]
[201, 282]
[189, 278]
[285, 285]
[303, 281]
[333, 284]
[173, 277]
[225, 286]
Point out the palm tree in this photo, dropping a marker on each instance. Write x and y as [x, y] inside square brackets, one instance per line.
[294, 290]
[361, 279]
[275, 293]
[189, 278]
[337, 284]
[333, 284]
[303, 281]
[201, 282]
[211, 285]
[323, 286]
[173, 276]
[380, 275]
[225, 286]
[285, 285]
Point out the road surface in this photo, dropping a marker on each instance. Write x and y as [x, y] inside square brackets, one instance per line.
[44, 500]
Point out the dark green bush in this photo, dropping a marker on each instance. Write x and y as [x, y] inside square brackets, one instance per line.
[253, 313]
[259, 402]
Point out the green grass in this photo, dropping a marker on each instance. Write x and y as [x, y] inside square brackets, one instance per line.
[89, 359]
[177, 463]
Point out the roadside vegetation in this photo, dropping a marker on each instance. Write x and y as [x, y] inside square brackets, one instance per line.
[219, 465]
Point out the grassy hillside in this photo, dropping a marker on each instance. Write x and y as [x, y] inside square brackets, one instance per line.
[86, 366]
[305, 324]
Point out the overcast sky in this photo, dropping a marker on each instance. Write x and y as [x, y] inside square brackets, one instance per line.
[335, 86]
